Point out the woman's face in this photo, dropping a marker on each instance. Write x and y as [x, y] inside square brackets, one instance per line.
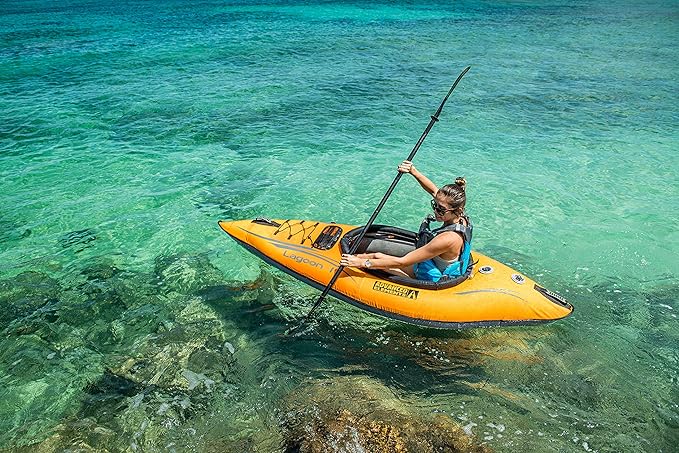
[441, 207]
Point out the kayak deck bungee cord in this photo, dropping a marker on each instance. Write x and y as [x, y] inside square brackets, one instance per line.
[489, 294]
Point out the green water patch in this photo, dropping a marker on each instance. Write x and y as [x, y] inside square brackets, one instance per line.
[43, 364]
[231, 197]
[113, 358]
[154, 357]
[169, 349]
[81, 350]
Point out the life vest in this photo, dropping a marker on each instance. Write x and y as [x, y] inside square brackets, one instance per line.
[427, 270]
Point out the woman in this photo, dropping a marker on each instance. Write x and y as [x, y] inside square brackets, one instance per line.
[441, 253]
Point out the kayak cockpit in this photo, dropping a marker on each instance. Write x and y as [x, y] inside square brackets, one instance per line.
[396, 242]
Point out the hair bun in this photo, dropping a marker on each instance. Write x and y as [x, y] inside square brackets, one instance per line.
[460, 181]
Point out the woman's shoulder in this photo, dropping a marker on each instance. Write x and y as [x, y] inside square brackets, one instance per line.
[451, 237]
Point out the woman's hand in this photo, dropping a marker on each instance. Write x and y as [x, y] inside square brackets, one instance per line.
[406, 167]
[351, 261]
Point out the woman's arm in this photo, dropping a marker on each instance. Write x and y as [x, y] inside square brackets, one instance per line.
[408, 167]
[440, 244]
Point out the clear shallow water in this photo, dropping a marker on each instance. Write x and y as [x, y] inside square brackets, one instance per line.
[130, 321]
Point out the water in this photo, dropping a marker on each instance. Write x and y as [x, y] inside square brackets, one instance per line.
[131, 322]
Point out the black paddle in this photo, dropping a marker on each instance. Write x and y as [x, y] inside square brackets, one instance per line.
[357, 241]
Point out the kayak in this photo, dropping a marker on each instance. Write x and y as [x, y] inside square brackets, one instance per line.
[489, 294]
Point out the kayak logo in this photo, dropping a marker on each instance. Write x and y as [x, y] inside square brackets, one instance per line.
[396, 290]
[302, 260]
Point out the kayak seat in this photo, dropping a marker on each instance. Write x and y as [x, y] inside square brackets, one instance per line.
[396, 242]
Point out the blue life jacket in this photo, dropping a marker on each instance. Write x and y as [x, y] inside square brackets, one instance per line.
[427, 270]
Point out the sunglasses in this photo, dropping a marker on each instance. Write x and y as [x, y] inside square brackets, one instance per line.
[440, 210]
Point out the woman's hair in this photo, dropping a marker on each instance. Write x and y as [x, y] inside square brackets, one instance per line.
[455, 195]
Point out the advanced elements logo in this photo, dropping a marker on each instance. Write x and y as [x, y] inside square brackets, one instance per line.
[396, 290]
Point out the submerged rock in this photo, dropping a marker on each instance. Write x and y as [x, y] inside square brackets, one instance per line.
[149, 363]
[260, 290]
[360, 414]
[25, 293]
[78, 240]
[186, 274]
[191, 345]
[13, 230]
[41, 386]
[168, 380]
[486, 347]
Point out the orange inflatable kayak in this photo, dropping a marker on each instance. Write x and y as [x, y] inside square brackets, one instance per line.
[490, 294]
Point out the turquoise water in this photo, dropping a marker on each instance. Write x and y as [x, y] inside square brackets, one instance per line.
[130, 322]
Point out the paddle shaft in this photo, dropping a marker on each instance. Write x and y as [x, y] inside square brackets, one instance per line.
[357, 241]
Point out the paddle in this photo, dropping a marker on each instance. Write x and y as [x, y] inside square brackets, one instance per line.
[434, 119]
